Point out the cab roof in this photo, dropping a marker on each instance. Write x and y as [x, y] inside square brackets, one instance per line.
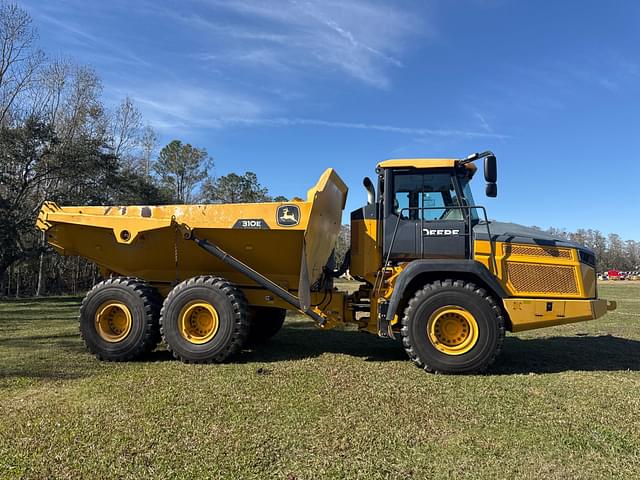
[424, 163]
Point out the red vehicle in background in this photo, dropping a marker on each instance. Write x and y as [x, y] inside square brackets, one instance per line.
[614, 274]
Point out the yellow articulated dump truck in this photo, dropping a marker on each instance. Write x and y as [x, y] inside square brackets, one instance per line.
[211, 279]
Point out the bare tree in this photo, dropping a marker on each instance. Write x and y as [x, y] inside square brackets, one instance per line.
[148, 144]
[81, 112]
[125, 132]
[19, 59]
[54, 82]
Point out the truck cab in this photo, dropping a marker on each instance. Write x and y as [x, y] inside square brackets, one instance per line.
[422, 239]
[424, 209]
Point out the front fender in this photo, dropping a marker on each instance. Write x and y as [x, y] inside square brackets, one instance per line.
[449, 269]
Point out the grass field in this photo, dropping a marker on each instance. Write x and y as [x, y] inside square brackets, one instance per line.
[560, 403]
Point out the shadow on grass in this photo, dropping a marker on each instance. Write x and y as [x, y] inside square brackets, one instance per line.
[561, 354]
[40, 300]
[44, 374]
[54, 356]
[302, 341]
[28, 340]
[519, 356]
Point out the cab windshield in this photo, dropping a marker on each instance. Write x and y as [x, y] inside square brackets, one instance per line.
[465, 183]
[431, 196]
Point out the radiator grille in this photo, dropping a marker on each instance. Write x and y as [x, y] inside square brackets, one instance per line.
[537, 251]
[548, 279]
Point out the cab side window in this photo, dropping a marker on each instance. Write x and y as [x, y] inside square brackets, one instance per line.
[425, 197]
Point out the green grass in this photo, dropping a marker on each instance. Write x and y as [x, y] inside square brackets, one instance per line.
[560, 403]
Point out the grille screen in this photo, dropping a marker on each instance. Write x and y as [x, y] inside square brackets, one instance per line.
[537, 251]
[535, 278]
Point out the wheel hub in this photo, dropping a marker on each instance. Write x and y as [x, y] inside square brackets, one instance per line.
[198, 322]
[113, 321]
[452, 330]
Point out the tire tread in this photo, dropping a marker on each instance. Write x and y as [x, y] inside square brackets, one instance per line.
[240, 309]
[151, 300]
[449, 284]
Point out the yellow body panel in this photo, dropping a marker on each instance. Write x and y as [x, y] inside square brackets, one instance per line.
[426, 163]
[538, 271]
[141, 241]
[418, 163]
[365, 253]
[548, 285]
[326, 200]
[334, 305]
[527, 313]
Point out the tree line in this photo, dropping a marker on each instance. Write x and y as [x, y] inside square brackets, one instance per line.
[612, 252]
[60, 141]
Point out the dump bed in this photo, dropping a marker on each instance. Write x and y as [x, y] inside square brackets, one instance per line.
[143, 241]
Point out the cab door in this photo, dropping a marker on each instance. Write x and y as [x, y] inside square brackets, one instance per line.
[423, 218]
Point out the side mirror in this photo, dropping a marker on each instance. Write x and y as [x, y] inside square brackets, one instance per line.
[490, 169]
[491, 190]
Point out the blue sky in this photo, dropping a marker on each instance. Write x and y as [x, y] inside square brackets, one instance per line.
[287, 88]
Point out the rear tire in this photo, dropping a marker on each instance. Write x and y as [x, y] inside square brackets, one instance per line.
[452, 327]
[265, 323]
[204, 319]
[119, 319]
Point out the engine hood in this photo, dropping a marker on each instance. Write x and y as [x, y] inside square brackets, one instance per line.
[514, 233]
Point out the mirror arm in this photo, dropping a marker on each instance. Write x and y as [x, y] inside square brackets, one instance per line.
[475, 156]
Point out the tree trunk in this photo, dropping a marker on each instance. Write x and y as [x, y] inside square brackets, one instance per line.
[9, 280]
[76, 273]
[17, 282]
[40, 288]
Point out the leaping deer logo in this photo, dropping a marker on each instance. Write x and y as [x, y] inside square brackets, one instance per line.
[288, 215]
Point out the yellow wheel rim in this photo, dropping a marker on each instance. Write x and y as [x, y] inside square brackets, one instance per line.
[198, 322]
[113, 321]
[452, 330]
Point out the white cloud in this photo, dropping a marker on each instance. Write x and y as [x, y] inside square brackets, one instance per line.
[181, 107]
[83, 38]
[359, 38]
[416, 131]
[483, 121]
[172, 106]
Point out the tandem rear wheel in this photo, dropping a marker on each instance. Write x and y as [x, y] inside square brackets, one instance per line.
[452, 326]
[119, 319]
[204, 319]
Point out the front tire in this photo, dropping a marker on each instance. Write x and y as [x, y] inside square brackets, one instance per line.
[204, 319]
[452, 327]
[119, 319]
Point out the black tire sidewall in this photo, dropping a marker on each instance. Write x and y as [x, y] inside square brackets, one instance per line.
[488, 331]
[226, 322]
[129, 346]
